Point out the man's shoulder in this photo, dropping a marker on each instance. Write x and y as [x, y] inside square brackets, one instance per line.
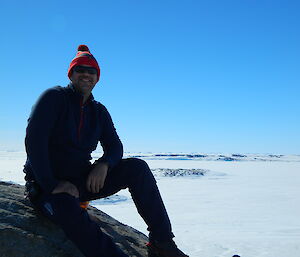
[56, 91]
[54, 94]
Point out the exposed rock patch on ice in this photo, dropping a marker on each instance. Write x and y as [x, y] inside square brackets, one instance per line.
[163, 172]
[226, 158]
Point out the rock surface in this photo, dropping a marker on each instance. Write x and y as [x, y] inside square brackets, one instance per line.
[24, 233]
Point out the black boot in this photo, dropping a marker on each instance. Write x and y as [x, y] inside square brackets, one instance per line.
[164, 249]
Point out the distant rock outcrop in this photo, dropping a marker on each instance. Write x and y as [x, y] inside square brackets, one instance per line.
[24, 233]
[165, 172]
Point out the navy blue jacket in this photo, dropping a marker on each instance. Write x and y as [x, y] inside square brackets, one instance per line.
[61, 135]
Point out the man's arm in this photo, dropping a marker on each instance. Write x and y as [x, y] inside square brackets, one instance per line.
[40, 124]
[110, 141]
[113, 152]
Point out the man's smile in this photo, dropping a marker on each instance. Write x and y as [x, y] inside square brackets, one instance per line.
[85, 79]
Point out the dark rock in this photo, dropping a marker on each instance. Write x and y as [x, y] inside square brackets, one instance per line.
[196, 156]
[227, 159]
[178, 172]
[24, 233]
[275, 155]
[169, 155]
[239, 155]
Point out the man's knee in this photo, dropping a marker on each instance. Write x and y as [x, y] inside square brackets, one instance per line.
[139, 168]
[138, 165]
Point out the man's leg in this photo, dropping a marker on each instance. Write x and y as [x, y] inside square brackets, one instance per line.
[64, 210]
[136, 175]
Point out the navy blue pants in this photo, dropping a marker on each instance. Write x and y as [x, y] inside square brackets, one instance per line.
[134, 174]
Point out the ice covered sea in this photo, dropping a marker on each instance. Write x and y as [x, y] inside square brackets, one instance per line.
[219, 204]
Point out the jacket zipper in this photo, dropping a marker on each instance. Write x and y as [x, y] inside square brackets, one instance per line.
[81, 119]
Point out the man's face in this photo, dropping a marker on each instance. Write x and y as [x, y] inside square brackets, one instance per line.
[84, 79]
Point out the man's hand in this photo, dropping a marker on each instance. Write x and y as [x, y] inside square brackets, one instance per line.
[66, 187]
[96, 178]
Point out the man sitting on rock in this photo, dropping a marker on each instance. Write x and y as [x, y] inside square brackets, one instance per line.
[64, 128]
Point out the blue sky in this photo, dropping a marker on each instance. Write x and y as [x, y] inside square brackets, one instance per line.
[176, 76]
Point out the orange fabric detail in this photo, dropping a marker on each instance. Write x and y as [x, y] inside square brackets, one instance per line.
[84, 205]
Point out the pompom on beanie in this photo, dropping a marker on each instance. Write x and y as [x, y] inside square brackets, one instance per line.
[84, 57]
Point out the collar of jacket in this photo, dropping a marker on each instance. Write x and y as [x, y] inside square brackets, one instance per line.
[78, 97]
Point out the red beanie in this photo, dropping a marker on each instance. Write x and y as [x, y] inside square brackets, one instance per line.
[84, 57]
